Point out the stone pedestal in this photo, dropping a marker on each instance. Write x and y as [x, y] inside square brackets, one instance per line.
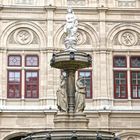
[71, 121]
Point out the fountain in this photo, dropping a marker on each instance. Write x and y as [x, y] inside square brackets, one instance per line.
[70, 122]
[70, 60]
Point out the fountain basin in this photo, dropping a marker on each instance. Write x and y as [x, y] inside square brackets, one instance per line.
[70, 135]
[70, 60]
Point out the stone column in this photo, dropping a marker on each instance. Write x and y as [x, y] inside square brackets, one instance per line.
[71, 90]
[50, 18]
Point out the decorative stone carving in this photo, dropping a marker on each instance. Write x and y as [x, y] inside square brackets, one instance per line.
[81, 38]
[77, 2]
[11, 39]
[62, 95]
[124, 3]
[23, 36]
[70, 30]
[128, 38]
[80, 95]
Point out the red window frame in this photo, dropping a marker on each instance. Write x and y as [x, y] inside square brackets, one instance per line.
[117, 56]
[14, 65]
[31, 65]
[87, 97]
[131, 62]
[30, 84]
[120, 86]
[13, 84]
[135, 85]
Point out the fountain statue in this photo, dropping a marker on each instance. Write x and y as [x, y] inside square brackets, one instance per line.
[70, 122]
[70, 30]
[80, 95]
[62, 95]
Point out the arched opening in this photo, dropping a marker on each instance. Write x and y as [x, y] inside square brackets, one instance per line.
[35, 35]
[86, 36]
[16, 138]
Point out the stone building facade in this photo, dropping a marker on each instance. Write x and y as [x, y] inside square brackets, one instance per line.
[31, 30]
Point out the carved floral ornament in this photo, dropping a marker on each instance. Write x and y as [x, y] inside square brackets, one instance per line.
[128, 38]
[23, 36]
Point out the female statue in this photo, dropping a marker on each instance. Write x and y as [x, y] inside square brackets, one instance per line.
[80, 95]
[71, 24]
[70, 29]
[61, 95]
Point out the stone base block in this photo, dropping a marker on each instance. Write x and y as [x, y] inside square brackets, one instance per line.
[71, 121]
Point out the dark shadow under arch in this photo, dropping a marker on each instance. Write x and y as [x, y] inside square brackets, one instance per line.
[16, 138]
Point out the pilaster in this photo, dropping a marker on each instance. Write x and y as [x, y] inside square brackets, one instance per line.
[1, 76]
[51, 73]
[102, 58]
[4, 76]
[104, 75]
[50, 16]
[43, 75]
[102, 26]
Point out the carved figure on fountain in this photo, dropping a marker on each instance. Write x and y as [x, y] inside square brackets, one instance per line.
[70, 30]
[80, 95]
[62, 95]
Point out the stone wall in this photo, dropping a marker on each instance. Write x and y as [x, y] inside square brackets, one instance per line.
[101, 26]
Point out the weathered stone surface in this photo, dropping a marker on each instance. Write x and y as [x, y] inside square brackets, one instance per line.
[103, 21]
[70, 121]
